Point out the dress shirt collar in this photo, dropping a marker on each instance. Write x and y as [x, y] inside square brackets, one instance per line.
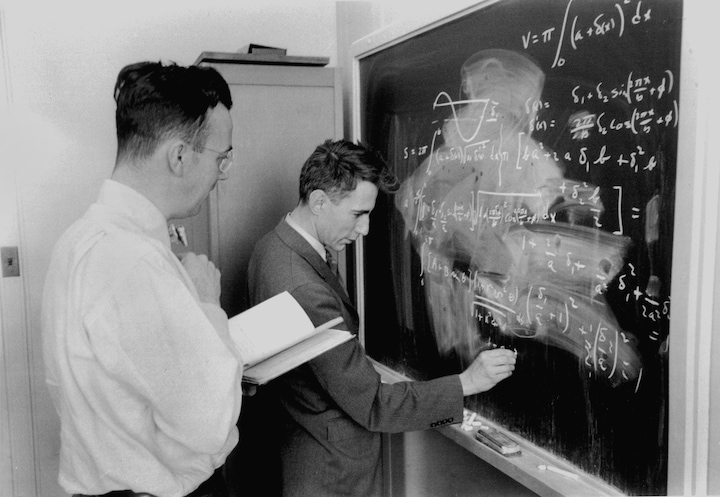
[314, 242]
[131, 205]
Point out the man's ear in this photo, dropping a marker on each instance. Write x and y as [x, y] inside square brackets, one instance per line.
[178, 156]
[317, 201]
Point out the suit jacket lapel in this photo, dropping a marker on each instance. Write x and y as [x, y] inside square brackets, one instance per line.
[299, 245]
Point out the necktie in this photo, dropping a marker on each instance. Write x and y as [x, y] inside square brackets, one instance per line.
[331, 262]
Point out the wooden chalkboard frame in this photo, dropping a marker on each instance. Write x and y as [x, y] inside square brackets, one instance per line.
[692, 435]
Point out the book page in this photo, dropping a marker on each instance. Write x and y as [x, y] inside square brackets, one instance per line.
[269, 327]
[299, 354]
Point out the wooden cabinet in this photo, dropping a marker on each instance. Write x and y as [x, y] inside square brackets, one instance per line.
[280, 114]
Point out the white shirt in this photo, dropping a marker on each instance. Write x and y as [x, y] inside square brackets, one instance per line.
[314, 242]
[144, 377]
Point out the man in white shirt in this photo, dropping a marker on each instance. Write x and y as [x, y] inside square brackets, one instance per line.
[139, 362]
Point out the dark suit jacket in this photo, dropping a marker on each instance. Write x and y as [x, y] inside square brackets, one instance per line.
[335, 405]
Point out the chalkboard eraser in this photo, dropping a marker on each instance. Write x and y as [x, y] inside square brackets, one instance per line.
[497, 441]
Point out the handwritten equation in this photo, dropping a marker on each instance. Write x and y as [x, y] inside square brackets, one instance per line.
[556, 310]
[638, 159]
[538, 162]
[573, 31]
[478, 209]
[503, 209]
[634, 90]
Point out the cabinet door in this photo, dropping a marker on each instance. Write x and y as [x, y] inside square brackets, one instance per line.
[280, 114]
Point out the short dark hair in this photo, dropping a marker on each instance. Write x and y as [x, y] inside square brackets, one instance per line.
[336, 167]
[156, 101]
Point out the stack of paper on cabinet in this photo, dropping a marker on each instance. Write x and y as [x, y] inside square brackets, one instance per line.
[276, 336]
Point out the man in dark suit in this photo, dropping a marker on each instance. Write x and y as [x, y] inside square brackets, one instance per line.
[335, 407]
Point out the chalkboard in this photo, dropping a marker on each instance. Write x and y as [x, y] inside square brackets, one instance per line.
[536, 144]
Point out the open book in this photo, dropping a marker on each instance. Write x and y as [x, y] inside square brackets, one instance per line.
[277, 335]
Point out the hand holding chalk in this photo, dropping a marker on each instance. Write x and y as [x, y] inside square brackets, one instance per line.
[488, 369]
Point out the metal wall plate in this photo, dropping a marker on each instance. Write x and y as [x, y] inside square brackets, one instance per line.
[10, 261]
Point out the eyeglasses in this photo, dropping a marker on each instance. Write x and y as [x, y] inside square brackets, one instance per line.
[226, 161]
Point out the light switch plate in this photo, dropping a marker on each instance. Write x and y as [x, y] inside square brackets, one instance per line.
[10, 262]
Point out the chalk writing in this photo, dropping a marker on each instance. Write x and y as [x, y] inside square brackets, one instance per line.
[573, 30]
[635, 90]
[537, 159]
[535, 263]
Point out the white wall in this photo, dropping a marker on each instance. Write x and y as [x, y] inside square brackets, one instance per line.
[58, 141]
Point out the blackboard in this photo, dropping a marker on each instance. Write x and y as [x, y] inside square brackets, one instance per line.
[537, 145]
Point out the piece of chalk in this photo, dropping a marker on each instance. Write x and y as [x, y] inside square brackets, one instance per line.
[566, 474]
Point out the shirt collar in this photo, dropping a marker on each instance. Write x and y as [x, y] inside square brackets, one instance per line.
[131, 205]
[314, 242]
